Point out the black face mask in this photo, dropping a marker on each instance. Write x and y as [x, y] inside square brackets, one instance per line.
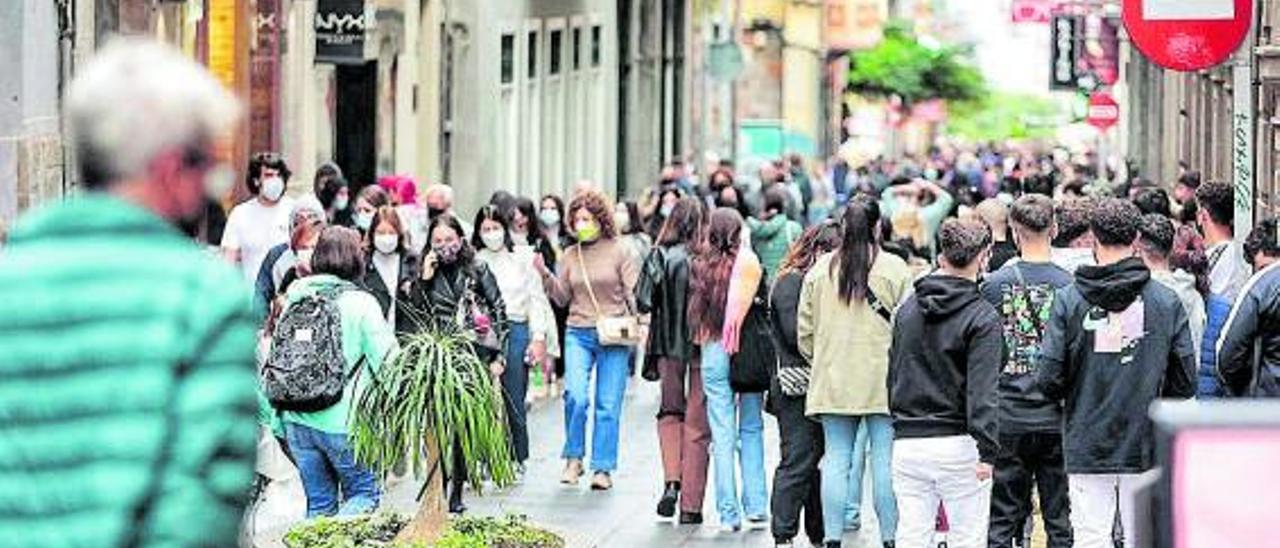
[433, 212]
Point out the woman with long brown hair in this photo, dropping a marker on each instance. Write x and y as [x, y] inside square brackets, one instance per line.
[683, 434]
[726, 275]
[796, 484]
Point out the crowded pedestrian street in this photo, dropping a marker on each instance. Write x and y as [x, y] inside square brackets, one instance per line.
[639, 273]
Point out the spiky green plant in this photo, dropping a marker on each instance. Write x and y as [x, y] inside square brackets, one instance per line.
[435, 391]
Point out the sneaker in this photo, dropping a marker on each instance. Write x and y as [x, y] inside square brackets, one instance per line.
[757, 522]
[690, 518]
[831, 544]
[572, 471]
[781, 543]
[601, 481]
[730, 527]
[667, 504]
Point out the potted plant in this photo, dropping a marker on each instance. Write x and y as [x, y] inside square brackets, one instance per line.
[436, 390]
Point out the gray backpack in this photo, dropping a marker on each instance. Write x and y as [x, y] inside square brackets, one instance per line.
[306, 370]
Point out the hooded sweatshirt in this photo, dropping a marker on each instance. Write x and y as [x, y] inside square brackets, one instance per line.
[943, 364]
[1183, 284]
[1115, 342]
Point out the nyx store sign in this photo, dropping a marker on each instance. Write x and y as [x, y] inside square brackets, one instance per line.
[340, 31]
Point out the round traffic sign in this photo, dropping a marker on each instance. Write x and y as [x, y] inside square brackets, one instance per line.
[1104, 112]
[1187, 35]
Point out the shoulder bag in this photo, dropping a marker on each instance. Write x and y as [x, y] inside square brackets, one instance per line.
[751, 368]
[611, 330]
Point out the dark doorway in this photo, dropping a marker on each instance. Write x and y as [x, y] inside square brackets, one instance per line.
[354, 130]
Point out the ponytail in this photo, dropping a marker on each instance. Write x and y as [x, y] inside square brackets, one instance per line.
[857, 249]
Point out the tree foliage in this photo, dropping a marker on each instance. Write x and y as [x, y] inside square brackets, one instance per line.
[914, 71]
[1004, 116]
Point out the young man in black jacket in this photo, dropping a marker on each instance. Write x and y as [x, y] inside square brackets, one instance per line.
[943, 365]
[1030, 423]
[1250, 334]
[1116, 341]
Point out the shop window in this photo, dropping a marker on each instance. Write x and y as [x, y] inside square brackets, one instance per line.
[556, 48]
[508, 58]
[577, 48]
[596, 38]
[531, 46]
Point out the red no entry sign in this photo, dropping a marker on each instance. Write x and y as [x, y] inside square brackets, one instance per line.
[1187, 35]
[1104, 112]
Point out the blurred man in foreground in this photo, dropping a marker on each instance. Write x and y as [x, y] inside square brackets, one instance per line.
[126, 352]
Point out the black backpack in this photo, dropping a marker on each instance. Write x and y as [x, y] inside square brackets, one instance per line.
[752, 367]
[306, 370]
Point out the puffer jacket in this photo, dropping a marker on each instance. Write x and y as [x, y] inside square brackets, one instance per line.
[663, 293]
[771, 239]
[1252, 334]
[1208, 384]
[434, 303]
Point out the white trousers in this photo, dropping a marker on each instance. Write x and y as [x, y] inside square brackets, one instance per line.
[1093, 507]
[927, 471]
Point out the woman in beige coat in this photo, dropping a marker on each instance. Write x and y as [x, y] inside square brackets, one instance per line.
[844, 327]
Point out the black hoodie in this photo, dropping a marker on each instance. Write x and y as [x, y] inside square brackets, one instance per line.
[1108, 385]
[944, 362]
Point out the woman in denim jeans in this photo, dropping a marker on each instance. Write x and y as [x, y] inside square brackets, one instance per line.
[596, 279]
[725, 277]
[843, 329]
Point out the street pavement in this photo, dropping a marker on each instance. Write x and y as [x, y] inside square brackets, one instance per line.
[623, 516]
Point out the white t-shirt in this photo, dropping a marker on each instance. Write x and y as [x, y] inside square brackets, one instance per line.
[254, 229]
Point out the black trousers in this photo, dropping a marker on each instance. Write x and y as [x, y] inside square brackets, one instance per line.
[797, 483]
[1028, 459]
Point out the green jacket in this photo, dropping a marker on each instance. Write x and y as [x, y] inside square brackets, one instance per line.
[365, 333]
[126, 355]
[771, 239]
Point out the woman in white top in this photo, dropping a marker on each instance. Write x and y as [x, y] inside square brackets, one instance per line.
[527, 312]
[390, 266]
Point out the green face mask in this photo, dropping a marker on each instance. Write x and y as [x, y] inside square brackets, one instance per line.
[588, 232]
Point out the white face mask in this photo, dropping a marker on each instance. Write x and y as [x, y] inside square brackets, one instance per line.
[386, 244]
[494, 239]
[272, 188]
[364, 220]
[340, 203]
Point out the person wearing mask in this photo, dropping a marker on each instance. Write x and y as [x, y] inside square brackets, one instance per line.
[556, 233]
[731, 197]
[525, 235]
[370, 199]
[1116, 341]
[1184, 196]
[845, 310]
[302, 242]
[1072, 243]
[391, 266]
[439, 200]
[725, 278]
[664, 201]
[944, 362]
[334, 194]
[916, 208]
[631, 230]
[282, 257]
[1215, 212]
[596, 279]
[335, 483]
[996, 214]
[796, 483]
[1248, 348]
[663, 293]
[327, 172]
[127, 352]
[262, 222]
[1022, 291]
[772, 233]
[1154, 246]
[455, 290]
[528, 316]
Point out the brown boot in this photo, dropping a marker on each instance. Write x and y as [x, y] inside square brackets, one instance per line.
[572, 471]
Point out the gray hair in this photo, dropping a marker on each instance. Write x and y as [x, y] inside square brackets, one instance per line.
[136, 99]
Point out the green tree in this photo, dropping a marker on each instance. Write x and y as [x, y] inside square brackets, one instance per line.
[914, 71]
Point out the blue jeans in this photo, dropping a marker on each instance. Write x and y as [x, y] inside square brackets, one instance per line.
[515, 386]
[857, 464]
[582, 353]
[737, 427]
[840, 434]
[327, 464]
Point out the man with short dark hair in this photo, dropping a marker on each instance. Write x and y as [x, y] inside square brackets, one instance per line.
[1072, 242]
[1154, 245]
[1215, 213]
[1030, 423]
[943, 365]
[1153, 200]
[1249, 337]
[1115, 342]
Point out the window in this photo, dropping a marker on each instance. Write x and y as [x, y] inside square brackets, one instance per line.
[577, 48]
[595, 45]
[557, 45]
[508, 58]
[532, 59]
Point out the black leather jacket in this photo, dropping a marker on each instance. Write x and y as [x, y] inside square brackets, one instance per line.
[1249, 355]
[663, 292]
[372, 281]
[435, 301]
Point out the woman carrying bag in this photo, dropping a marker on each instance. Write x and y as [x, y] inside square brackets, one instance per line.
[596, 280]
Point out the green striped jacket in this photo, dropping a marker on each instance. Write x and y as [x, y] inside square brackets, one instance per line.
[127, 404]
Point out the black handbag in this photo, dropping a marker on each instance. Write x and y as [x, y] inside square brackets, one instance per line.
[751, 369]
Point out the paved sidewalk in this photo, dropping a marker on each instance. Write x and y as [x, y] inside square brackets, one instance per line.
[624, 516]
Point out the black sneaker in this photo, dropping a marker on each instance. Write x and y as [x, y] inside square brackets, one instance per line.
[831, 544]
[690, 518]
[667, 504]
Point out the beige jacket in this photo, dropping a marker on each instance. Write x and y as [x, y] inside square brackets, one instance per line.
[848, 344]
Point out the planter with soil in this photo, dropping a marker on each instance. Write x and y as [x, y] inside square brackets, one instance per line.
[381, 530]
